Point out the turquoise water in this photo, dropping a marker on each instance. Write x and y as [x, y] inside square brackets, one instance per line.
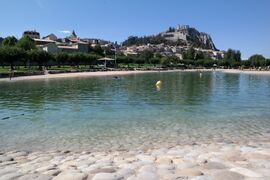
[104, 113]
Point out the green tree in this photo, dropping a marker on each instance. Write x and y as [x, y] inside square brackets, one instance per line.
[40, 57]
[26, 43]
[9, 41]
[146, 55]
[11, 55]
[98, 50]
[257, 60]
[190, 54]
[61, 58]
[233, 55]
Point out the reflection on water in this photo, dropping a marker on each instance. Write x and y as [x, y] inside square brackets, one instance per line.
[131, 112]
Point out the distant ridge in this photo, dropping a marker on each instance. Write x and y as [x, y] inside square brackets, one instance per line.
[180, 36]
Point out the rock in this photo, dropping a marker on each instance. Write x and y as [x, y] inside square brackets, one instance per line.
[5, 158]
[213, 165]
[53, 172]
[186, 165]
[46, 168]
[7, 170]
[147, 168]
[10, 176]
[202, 178]
[164, 160]
[35, 177]
[145, 158]
[189, 172]
[147, 176]
[227, 175]
[73, 175]
[126, 172]
[106, 176]
[18, 154]
[246, 172]
[166, 167]
[133, 177]
[252, 155]
[102, 170]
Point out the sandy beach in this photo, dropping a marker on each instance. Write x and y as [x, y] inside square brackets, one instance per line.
[93, 74]
[237, 71]
[120, 73]
[216, 161]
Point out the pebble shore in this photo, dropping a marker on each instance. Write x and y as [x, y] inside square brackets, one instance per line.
[217, 161]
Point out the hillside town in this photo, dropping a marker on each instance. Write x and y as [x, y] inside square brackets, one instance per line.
[51, 43]
[184, 34]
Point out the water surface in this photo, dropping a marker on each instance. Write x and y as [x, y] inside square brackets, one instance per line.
[104, 113]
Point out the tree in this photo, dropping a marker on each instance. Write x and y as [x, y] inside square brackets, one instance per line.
[1, 40]
[146, 55]
[9, 41]
[61, 58]
[11, 55]
[40, 57]
[98, 50]
[233, 55]
[26, 43]
[190, 54]
[257, 60]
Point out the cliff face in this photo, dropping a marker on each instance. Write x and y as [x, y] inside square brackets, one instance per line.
[189, 36]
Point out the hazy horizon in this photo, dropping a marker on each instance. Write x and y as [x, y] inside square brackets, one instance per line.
[242, 24]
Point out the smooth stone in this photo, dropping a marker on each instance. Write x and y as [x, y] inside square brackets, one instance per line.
[179, 153]
[227, 175]
[6, 163]
[106, 176]
[126, 172]
[18, 154]
[7, 170]
[53, 172]
[203, 178]
[246, 172]
[133, 177]
[145, 158]
[35, 177]
[213, 165]
[189, 172]
[251, 155]
[148, 168]
[147, 176]
[10, 176]
[71, 176]
[5, 158]
[186, 165]
[46, 168]
[102, 170]
[164, 160]
[166, 166]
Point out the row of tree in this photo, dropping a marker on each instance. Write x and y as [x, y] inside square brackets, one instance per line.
[15, 52]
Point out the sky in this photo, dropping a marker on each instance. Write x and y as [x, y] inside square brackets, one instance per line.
[237, 24]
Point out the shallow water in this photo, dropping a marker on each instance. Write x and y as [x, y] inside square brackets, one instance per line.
[104, 113]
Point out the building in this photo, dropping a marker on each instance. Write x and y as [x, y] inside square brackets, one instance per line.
[31, 34]
[52, 37]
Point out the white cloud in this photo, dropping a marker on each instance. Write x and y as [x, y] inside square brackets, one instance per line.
[65, 32]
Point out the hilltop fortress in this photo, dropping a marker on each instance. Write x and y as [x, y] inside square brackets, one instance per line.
[174, 41]
[190, 36]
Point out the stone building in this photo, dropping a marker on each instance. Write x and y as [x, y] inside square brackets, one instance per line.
[31, 34]
[52, 37]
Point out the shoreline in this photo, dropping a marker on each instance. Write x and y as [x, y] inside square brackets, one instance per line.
[122, 73]
[94, 74]
[215, 161]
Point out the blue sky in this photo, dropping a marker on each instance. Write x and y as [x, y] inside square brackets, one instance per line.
[238, 24]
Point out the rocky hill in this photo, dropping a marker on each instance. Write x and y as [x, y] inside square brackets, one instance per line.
[180, 36]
